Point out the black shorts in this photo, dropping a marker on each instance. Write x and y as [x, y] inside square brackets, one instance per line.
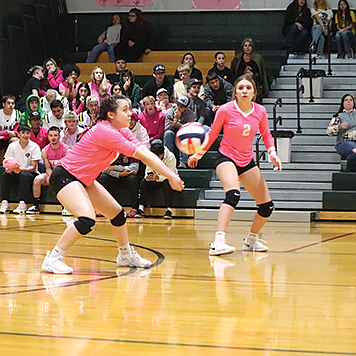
[60, 178]
[221, 158]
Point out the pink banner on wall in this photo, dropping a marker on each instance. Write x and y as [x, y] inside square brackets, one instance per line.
[217, 4]
[135, 3]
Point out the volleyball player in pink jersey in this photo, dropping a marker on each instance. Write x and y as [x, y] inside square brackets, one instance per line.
[73, 182]
[51, 154]
[241, 119]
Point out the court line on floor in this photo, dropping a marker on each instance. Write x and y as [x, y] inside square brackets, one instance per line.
[158, 343]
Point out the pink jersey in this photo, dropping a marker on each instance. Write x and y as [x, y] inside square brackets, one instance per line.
[239, 131]
[54, 156]
[98, 147]
[41, 139]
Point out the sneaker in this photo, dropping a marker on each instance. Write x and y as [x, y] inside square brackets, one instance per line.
[4, 206]
[139, 214]
[132, 259]
[167, 214]
[34, 209]
[182, 165]
[55, 265]
[254, 243]
[220, 247]
[21, 208]
[132, 213]
[65, 212]
[319, 56]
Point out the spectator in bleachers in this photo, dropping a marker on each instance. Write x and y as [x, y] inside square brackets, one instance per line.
[107, 41]
[180, 88]
[162, 100]
[129, 87]
[251, 63]
[38, 134]
[345, 23]
[154, 181]
[9, 121]
[217, 92]
[120, 65]
[158, 81]
[137, 37]
[152, 119]
[70, 85]
[322, 15]
[33, 86]
[343, 125]
[71, 131]
[53, 76]
[27, 154]
[32, 104]
[220, 68]
[139, 130]
[297, 25]
[196, 104]
[116, 89]
[51, 95]
[98, 84]
[78, 103]
[56, 116]
[176, 117]
[189, 59]
[89, 116]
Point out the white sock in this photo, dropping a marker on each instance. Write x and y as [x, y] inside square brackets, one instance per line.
[220, 235]
[125, 250]
[56, 252]
[252, 236]
[141, 207]
[169, 209]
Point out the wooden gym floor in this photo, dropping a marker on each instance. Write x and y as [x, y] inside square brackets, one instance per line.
[299, 299]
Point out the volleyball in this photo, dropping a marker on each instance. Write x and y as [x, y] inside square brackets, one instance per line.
[191, 138]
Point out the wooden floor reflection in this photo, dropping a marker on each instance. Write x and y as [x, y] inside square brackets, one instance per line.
[299, 299]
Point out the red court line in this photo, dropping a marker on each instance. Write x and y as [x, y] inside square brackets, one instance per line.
[317, 243]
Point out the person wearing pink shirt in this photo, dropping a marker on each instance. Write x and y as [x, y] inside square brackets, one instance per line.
[74, 183]
[152, 118]
[241, 119]
[78, 103]
[99, 85]
[39, 134]
[53, 76]
[70, 85]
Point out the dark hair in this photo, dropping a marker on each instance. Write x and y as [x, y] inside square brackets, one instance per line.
[69, 68]
[54, 128]
[109, 103]
[348, 19]
[23, 128]
[56, 104]
[296, 3]
[77, 97]
[115, 85]
[211, 76]
[34, 98]
[45, 71]
[8, 96]
[216, 56]
[186, 54]
[248, 78]
[126, 72]
[341, 108]
[135, 11]
[157, 147]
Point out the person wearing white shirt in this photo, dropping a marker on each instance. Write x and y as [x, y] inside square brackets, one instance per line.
[9, 121]
[55, 117]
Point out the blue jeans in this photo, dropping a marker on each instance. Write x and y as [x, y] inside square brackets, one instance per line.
[102, 47]
[169, 139]
[343, 42]
[318, 39]
[347, 150]
[294, 36]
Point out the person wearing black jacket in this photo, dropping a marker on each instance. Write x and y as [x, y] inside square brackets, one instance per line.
[297, 26]
[158, 81]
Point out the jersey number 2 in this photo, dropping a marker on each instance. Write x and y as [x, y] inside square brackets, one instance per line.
[246, 131]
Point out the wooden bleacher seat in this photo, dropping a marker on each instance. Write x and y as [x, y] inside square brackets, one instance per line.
[171, 59]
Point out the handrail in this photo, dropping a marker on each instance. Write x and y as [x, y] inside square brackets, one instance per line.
[258, 154]
[300, 88]
[276, 119]
[330, 72]
[311, 62]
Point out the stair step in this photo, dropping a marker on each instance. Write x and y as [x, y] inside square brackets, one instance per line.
[286, 185]
[251, 204]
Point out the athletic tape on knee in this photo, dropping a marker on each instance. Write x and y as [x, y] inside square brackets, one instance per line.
[232, 197]
[119, 219]
[266, 209]
[84, 225]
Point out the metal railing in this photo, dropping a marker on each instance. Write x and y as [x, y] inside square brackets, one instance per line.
[299, 88]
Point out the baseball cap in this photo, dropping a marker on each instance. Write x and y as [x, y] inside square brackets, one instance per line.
[159, 68]
[183, 101]
[34, 115]
[192, 82]
[162, 90]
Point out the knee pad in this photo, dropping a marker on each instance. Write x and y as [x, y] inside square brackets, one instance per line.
[84, 225]
[119, 219]
[232, 197]
[265, 209]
